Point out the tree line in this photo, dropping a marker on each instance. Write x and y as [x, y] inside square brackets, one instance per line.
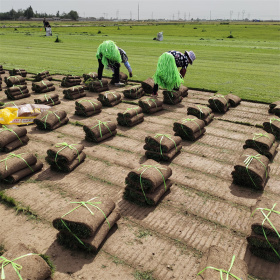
[29, 13]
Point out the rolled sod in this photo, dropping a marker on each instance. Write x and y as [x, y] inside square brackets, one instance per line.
[217, 257]
[266, 254]
[172, 97]
[90, 244]
[21, 72]
[82, 113]
[92, 75]
[274, 104]
[43, 86]
[23, 140]
[137, 196]
[132, 121]
[122, 78]
[148, 85]
[157, 156]
[251, 170]
[150, 105]
[260, 141]
[43, 75]
[88, 105]
[14, 80]
[16, 88]
[70, 81]
[270, 154]
[33, 266]
[233, 100]
[134, 92]
[184, 91]
[131, 112]
[148, 176]
[219, 103]
[273, 126]
[82, 222]
[50, 120]
[98, 86]
[48, 99]
[9, 134]
[202, 112]
[276, 111]
[109, 98]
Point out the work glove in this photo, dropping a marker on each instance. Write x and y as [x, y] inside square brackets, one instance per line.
[130, 74]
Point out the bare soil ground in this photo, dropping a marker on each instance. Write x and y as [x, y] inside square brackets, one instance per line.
[203, 208]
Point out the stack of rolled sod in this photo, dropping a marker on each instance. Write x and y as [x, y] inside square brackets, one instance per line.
[43, 86]
[251, 170]
[184, 91]
[219, 103]
[202, 112]
[122, 78]
[51, 99]
[19, 260]
[162, 147]
[172, 97]
[71, 81]
[264, 143]
[51, 120]
[0, 83]
[85, 225]
[134, 92]
[233, 100]
[131, 116]
[98, 86]
[147, 183]
[150, 105]
[87, 107]
[264, 240]
[20, 72]
[75, 92]
[44, 75]
[148, 85]
[14, 167]
[12, 137]
[14, 80]
[2, 71]
[190, 128]
[100, 130]
[65, 157]
[272, 106]
[273, 126]
[17, 92]
[217, 263]
[110, 98]
[91, 75]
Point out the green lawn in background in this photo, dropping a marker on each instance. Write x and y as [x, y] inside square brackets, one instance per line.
[247, 65]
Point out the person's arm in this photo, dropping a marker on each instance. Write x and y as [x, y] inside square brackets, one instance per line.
[183, 71]
[128, 67]
[125, 61]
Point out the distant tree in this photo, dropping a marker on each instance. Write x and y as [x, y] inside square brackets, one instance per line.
[57, 14]
[73, 15]
[12, 14]
[29, 12]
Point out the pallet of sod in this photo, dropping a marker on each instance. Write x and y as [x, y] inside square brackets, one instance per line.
[131, 116]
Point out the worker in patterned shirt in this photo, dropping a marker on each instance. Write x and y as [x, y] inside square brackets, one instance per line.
[110, 56]
[181, 60]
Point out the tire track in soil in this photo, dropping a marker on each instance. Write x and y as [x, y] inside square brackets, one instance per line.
[69, 264]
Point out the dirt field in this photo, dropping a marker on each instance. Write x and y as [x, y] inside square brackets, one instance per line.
[203, 208]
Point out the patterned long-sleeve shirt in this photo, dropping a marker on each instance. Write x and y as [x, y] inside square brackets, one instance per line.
[180, 59]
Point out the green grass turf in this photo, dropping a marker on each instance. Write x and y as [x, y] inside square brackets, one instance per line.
[246, 65]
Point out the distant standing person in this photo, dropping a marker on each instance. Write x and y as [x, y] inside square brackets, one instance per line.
[110, 56]
[47, 27]
[167, 75]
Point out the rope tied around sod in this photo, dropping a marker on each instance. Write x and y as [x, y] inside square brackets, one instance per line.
[216, 97]
[48, 97]
[99, 125]
[84, 204]
[190, 120]
[109, 92]
[90, 101]
[151, 99]
[45, 84]
[146, 167]
[4, 262]
[257, 136]
[168, 136]
[11, 130]
[227, 272]
[12, 155]
[46, 117]
[266, 218]
[272, 120]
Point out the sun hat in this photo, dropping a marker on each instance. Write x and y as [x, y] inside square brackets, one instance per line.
[191, 56]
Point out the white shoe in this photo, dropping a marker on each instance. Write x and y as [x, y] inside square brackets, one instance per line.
[119, 84]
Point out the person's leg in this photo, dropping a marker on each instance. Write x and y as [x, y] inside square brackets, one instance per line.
[155, 89]
[100, 69]
[117, 72]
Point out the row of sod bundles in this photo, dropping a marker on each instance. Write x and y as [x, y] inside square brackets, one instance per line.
[100, 130]
[20, 72]
[263, 143]
[44, 75]
[134, 92]
[131, 116]
[70, 81]
[51, 99]
[273, 126]
[190, 128]
[14, 80]
[65, 157]
[233, 100]
[97, 85]
[202, 112]
[150, 105]
[110, 98]
[14, 167]
[17, 92]
[2, 71]
[148, 85]
[21, 262]
[184, 91]
[50, 120]
[122, 78]
[219, 103]
[146, 184]
[85, 225]
[12, 137]
[92, 75]
[217, 263]
[272, 106]
[264, 240]
[87, 107]
[43, 86]
[162, 147]
[172, 97]
[74, 92]
[251, 170]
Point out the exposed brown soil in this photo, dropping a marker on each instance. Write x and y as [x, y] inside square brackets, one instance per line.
[203, 208]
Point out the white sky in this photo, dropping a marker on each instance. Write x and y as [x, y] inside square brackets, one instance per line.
[154, 9]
